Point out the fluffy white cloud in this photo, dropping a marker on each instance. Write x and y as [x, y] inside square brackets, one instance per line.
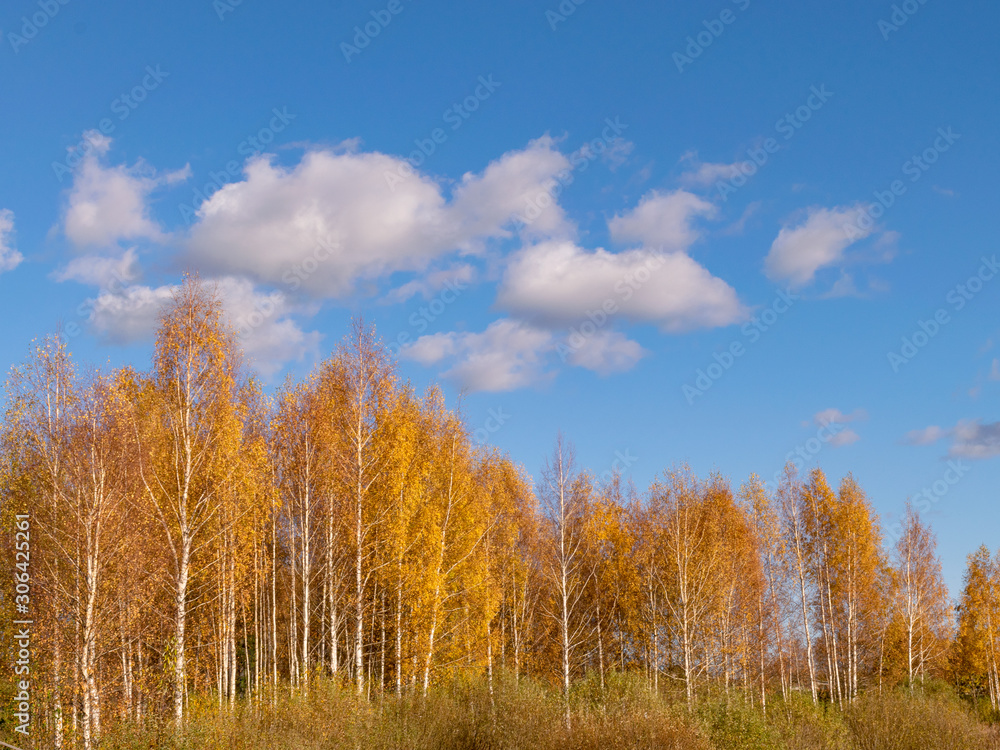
[349, 215]
[100, 271]
[263, 320]
[109, 203]
[129, 314]
[845, 436]
[834, 420]
[269, 335]
[10, 258]
[506, 356]
[558, 284]
[518, 183]
[818, 241]
[604, 352]
[975, 440]
[970, 438]
[705, 174]
[662, 220]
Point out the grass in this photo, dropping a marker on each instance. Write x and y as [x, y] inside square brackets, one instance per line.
[462, 715]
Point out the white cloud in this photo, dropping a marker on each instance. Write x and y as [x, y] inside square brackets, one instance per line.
[995, 369]
[99, 270]
[337, 211]
[262, 320]
[457, 279]
[128, 315]
[738, 226]
[506, 356]
[970, 438]
[662, 220]
[829, 416]
[817, 242]
[617, 152]
[973, 439]
[926, 436]
[558, 284]
[606, 352]
[482, 204]
[845, 436]
[834, 419]
[705, 174]
[10, 258]
[107, 204]
[844, 286]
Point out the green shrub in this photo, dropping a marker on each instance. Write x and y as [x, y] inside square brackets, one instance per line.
[900, 720]
[525, 715]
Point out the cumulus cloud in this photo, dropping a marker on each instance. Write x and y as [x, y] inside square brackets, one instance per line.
[129, 314]
[663, 220]
[605, 352]
[829, 416]
[263, 321]
[558, 283]
[457, 278]
[819, 241]
[506, 356]
[100, 271]
[10, 258]
[970, 438]
[356, 218]
[976, 440]
[110, 203]
[835, 420]
[517, 183]
[926, 436]
[701, 174]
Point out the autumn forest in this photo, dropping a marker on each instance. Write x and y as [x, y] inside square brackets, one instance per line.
[199, 543]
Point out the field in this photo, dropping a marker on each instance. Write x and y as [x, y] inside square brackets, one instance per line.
[525, 715]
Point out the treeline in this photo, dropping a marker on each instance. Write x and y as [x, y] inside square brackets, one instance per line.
[191, 537]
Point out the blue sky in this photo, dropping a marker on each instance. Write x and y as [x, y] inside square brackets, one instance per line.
[581, 215]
